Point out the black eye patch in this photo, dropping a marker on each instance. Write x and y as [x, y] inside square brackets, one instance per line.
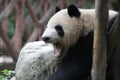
[59, 30]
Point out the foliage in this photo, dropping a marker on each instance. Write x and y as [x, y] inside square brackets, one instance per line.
[70, 1]
[54, 1]
[6, 74]
[116, 5]
[11, 26]
[89, 5]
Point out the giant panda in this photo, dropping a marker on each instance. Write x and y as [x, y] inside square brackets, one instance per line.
[71, 32]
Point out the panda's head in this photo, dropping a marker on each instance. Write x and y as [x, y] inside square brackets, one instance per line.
[63, 30]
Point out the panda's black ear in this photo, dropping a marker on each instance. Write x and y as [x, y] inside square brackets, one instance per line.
[73, 11]
[57, 9]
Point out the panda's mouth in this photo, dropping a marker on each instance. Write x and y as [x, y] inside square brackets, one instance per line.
[58, 50]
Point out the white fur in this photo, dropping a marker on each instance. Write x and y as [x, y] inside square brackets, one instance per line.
[73, 27]
[69, 25]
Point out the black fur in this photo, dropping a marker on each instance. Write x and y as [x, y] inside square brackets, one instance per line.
[59, 30]
[109, 64]
[57, 9]
[73, 11]
[77, 64]
[111, 22]
[46, 39]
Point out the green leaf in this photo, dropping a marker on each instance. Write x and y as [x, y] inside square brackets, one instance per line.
[1, 77]
[70, 2]
[5, 71]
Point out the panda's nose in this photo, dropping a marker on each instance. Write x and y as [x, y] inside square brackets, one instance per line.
[46, 39]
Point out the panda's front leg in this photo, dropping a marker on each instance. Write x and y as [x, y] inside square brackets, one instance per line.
[71, 71]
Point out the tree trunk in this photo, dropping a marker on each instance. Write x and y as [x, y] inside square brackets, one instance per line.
[100, 41]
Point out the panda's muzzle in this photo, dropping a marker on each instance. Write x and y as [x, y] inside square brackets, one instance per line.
[59, 49]
[46, 39]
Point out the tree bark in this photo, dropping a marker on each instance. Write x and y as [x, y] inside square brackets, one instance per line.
[36, 8]
[4, 22]
[5, 13]
[19, 25]
[38, 30]
[100, 41]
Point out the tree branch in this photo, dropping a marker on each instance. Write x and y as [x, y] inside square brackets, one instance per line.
[8, 45]
[19, 25]
[37, 8]
[8, 10]
[6, 40]
[38, 30]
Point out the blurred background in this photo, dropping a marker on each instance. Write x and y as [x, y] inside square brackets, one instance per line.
[23, 21]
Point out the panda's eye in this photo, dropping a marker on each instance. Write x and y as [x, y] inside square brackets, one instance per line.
[59, 30]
